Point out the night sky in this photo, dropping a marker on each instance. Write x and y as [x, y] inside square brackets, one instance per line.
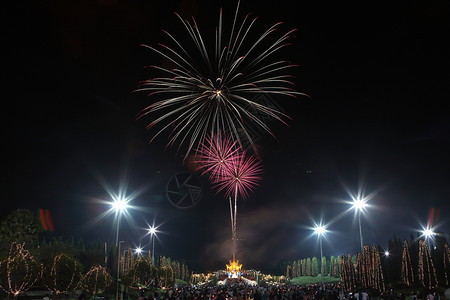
[378, 76]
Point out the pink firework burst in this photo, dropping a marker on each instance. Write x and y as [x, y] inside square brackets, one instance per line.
[216, 155]
[243, 174]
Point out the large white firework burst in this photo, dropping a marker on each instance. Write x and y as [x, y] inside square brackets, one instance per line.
[206, 92]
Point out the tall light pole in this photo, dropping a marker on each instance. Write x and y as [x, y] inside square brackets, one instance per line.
[320, 231]
[152, 232]
[118, 270]
[119, 205]
[359, 205]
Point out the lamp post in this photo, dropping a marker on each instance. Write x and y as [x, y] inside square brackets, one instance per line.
[359, 205]
[320, 231]
[428, 233]
[118, 269]
[119, 205]
[152, 232]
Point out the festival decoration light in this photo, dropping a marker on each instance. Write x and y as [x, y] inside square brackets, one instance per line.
[446, 260]
[96, 280]
[426, 271]
[19, 271]
[62, 266]
[347, 273]
[407, 270]
[366, 271]
[141, 273]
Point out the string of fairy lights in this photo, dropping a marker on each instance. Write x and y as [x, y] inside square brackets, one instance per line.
[407, 270]
[446, 262]
[22, 270]
[96, 280]
[426, 269]
[63, 263]
[366, 271]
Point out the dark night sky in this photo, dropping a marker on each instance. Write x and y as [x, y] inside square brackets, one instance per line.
[378, 75]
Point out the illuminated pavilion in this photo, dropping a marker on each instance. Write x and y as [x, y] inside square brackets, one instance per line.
[234, 268]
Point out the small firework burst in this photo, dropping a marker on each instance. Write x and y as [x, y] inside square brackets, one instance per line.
[241, 177]
[216, 155]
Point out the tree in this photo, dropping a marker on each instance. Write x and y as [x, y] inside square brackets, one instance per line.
[347, 272]
[426, 270]
[295, 270]
[64, 274]
[289, 271]
[141, 273]
[96, 280]
[407, 270]
[334, 267]
[326, 266]
[314, 267]
[308, 267]
[19, 271]
[166, 276]
[20, 226]
[446, 263]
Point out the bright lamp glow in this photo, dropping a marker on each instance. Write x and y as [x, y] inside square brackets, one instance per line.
[138, 250]
[428, 232]
[319, 230]
[359, 204]
[152, 230]
[386, 253]
[119, 205]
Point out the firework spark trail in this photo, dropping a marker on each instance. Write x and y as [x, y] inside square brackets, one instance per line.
[241, 176]
[229, 170]
[197, 102]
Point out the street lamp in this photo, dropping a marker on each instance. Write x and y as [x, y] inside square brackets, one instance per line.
[119, 205]
[359, 205]
[118, 270]
[429, 234]
[138, 251]
[152, 232]
[320, 230]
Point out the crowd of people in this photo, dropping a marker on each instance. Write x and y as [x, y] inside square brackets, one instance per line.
[236, 290]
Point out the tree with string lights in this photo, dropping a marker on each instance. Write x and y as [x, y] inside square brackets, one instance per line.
[96, 280]
[426, 270]
[166, 277]
[407, 269]
[64, 274]
[19, 271]
[141, 273]
[347, 273]
[446, 260]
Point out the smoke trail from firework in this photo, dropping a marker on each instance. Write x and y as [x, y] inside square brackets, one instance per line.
[230, 170]
[197, 102]
[241, 176]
